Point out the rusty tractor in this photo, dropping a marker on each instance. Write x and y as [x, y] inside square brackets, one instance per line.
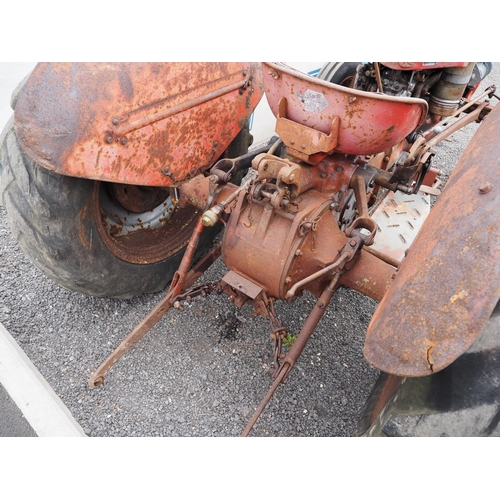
[134, 168]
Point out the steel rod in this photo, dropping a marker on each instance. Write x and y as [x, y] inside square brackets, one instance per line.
[297, 348]
[179, 280]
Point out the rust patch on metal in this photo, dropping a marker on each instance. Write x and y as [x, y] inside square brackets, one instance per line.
[447, 287]
[369, 123]
[370, 276]
[276, 249]
[152, 124]
[144, 246]
[138, 199]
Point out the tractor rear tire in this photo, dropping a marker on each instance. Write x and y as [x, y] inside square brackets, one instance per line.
[62, 224]
[463, 400]
[341, 73]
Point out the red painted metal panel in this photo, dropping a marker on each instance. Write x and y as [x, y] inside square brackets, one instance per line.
[153, 124]
[369, 123]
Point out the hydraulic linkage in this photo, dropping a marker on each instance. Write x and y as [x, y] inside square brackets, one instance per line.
[350, 251]
[182, 280]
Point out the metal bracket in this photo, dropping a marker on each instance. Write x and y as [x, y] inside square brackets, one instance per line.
[303, 142]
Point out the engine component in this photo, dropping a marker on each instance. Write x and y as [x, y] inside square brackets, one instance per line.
[446, 94]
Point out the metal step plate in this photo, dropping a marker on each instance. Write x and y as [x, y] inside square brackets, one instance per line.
[399, 218]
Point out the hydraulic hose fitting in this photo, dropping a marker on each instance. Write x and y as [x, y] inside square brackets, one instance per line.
[211, 216]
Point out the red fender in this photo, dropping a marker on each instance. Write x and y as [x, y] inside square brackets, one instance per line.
[447, 287]
[154, 124]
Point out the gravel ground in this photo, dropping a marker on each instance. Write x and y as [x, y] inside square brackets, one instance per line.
[200, 372]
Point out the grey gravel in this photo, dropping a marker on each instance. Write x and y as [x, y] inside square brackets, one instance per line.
[200, 372]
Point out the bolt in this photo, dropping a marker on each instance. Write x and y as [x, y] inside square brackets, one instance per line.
[303, 146]
[321, 305]
[109, 139]
[292, 142]
[339, 169]
[116, 121]
[352, 243]
[486, 188]
[123, 140]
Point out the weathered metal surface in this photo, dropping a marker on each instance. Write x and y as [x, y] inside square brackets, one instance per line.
[196, 192]
[304, 142]
[241, 284]
[330, 176]
[369, 123]
[463, 400]
[399, 218]
[447, 287]
[448, 91]
[153, 124]
[138, 199]
[418, 66]
[133, 238]
[370, 276]
[276, 249]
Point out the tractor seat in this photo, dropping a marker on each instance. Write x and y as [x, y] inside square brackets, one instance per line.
[342, 120]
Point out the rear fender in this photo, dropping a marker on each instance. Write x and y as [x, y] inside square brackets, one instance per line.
[154, 124]
[447, 287]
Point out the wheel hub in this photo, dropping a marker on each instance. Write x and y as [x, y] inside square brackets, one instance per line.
[141, 225]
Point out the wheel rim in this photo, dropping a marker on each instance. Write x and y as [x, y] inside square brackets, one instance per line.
[141, 225]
